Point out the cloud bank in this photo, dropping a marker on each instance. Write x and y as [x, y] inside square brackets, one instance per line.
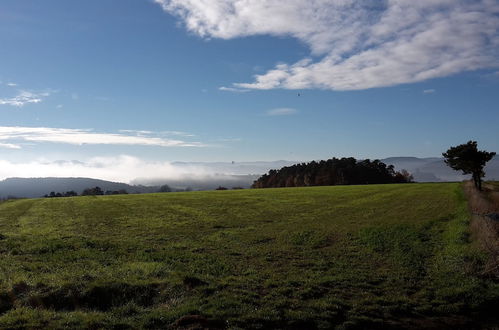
[356, 44]
[120, 168]
[12, 136]
[130, 169]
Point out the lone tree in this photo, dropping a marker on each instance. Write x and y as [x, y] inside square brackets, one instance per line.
[470, 160]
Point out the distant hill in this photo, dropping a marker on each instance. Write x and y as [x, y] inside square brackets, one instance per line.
[207, 182]
[435, 170]
[431, 169]
[38, 187]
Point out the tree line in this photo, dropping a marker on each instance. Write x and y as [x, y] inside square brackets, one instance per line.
[334, 171]
[86, 192]
[96, 191]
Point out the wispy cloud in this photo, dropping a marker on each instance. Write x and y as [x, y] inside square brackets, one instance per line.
[11, 84]
[429, 91]
[9, 146]
[282, 112]
[359, 44]
[178, 133]
[23, 98]
[161, 133]
[137, 132]
[233, 89]
[230, 140]
[16, 134]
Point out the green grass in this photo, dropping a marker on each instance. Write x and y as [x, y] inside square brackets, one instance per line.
[320, 257]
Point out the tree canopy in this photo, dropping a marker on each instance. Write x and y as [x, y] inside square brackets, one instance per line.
[92, 191]
[333, 171]
[468, 159]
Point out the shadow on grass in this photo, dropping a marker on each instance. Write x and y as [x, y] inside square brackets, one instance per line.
[101, 297]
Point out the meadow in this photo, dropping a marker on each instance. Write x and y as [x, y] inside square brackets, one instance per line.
[375, 256]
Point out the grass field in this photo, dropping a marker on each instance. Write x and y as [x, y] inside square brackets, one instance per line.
[493, 185]
[319, 257]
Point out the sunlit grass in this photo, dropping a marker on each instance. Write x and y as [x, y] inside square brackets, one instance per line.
[317, 257]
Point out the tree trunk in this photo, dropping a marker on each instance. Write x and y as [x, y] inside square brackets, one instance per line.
[477, 180]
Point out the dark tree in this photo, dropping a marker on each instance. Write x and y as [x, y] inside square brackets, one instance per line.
[404, 176]
[333, 171]
[470, 160]
[165, 188]
[92, 191]
[116, 192]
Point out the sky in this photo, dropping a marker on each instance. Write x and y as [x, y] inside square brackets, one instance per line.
[119, 89]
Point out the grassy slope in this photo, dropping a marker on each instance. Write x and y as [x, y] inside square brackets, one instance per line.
[305, 257]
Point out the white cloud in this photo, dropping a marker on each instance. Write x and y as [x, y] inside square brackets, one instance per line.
[282, 112]
[360, 44]
[429, 91]
[9, 146]
[143, 132]
[23, 98]
[179, 133]
[85, 136]
[137, 132]
[233, 89]
[11, 84]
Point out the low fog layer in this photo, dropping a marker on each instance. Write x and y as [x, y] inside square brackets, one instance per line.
[134, 171]
[131, 169]
[201, 175]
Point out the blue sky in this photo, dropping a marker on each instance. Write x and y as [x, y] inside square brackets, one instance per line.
[146, 82]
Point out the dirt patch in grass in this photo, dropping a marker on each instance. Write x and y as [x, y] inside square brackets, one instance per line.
[484, 206]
